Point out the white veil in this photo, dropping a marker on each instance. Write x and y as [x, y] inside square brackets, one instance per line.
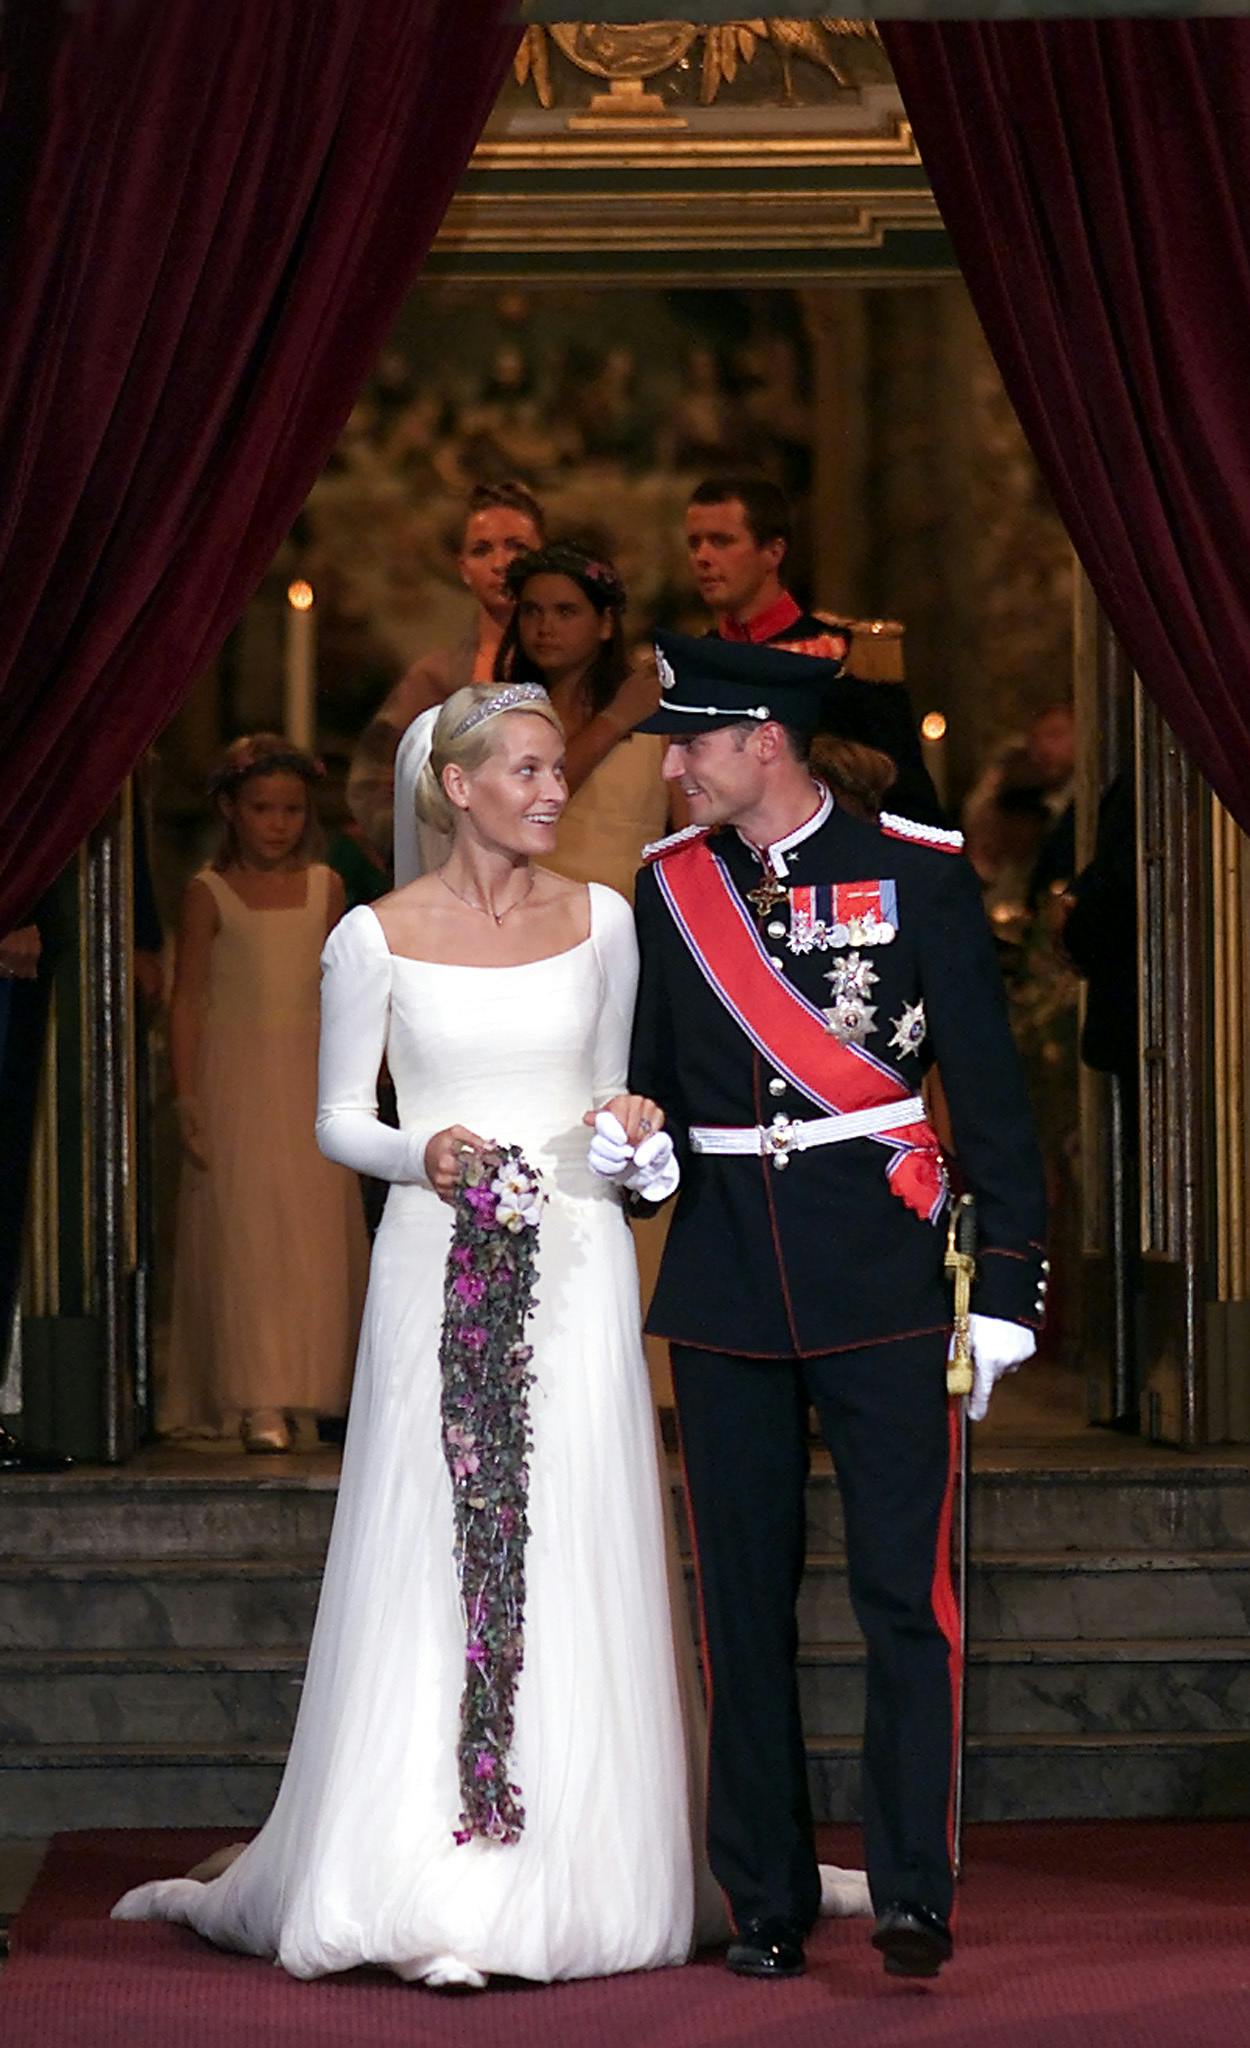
[418, 847]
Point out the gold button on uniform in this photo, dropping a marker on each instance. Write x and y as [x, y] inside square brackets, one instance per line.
[776, 1086]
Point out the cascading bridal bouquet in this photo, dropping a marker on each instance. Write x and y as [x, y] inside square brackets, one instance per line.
[487, 1299]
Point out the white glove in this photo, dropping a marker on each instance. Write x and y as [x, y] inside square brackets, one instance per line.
[651, 1170]
[611, 1154]
[656, 1169]
[998, 1347]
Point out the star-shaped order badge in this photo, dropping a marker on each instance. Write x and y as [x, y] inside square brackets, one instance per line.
[851, 1019]
[851, 975]
[909, 1029]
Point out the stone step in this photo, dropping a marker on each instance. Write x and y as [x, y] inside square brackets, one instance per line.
[1069, 1777]
[1016, 1778]
[137, 1785]
[101, 1516]
[148, 1604]
[1059, 1596]
[97, 1518]
[263, 1604]
[245, 1698]
[1061, 1688]
[237, 1697]
[1178, 1508]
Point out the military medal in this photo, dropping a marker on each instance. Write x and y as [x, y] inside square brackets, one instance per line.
[830, 914]
[851, 976]
[909, 1029]
[850, 1016]
[851, 1019]
[767, 894]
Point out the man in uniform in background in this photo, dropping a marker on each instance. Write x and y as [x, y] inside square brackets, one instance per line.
[738, 534]
[801, 969]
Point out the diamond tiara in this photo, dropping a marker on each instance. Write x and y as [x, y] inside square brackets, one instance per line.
[514, 698]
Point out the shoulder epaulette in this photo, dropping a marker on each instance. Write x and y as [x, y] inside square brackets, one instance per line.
[686, 837]
[818, 647]
[935, 836]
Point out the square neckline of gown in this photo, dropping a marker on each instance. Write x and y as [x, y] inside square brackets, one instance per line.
[482, 967]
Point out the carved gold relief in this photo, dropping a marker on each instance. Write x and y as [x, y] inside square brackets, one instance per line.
[636, 49]
[627, 53]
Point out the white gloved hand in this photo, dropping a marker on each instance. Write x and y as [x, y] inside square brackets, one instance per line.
[656, 1171]
[998, 1347]
[611, 1155]
[651, 1170]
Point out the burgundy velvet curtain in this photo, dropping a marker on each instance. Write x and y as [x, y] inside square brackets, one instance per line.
[1095, 181]
[214, 209]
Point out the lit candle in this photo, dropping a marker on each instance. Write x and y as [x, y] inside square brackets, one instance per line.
[933, 748]
[299, 682]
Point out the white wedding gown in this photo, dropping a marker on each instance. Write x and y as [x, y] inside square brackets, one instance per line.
[357, 1862]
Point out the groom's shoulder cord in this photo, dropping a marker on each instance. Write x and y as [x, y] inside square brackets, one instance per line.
[659, 848]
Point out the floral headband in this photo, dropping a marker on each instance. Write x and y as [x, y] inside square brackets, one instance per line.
[259, 757]
[597, 578]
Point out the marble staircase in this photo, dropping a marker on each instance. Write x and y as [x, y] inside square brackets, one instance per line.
[153, 1628]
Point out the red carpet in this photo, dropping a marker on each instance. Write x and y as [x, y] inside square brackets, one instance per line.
[1072, 1935]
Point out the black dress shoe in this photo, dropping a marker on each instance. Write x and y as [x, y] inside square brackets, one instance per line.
[914, 1940]
[15, 1456]
[767, 1948]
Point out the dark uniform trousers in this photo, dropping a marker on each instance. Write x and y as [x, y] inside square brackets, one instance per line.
[885, 1416]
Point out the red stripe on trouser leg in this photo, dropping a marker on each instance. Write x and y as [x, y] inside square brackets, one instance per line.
[705, 1660]
[946, 1612]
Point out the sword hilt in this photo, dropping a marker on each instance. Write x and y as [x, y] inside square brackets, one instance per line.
[961, 1264]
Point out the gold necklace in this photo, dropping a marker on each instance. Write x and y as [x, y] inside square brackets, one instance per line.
[496, 916]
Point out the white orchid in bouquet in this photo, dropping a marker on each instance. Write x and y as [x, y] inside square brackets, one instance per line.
[518, 1198]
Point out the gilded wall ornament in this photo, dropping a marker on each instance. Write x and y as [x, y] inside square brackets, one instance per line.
[627, 53]
[634, 49]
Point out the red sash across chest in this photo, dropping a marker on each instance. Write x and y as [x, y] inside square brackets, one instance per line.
[788, 1030]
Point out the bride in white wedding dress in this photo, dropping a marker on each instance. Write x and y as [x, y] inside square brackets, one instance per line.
[501, 997]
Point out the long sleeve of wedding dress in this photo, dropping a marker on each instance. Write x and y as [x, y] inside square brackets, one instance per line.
[616, 950]
[356, 971]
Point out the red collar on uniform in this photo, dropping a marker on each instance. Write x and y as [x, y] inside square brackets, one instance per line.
[764, 626]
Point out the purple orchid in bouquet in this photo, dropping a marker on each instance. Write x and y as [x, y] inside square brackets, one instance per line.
[487, 1299]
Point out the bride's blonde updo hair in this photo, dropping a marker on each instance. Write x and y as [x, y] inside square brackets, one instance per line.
[466, 734]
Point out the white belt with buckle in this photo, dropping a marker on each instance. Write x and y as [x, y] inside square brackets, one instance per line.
[784, 1135]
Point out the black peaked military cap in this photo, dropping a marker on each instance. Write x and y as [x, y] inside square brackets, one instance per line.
[708, 683]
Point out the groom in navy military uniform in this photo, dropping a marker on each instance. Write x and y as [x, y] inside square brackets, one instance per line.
[801, 969]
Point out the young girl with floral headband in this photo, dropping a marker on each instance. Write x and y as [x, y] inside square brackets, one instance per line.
[271, 1254]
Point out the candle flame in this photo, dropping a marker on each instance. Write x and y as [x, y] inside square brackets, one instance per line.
[933, 726]
[299, 596]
